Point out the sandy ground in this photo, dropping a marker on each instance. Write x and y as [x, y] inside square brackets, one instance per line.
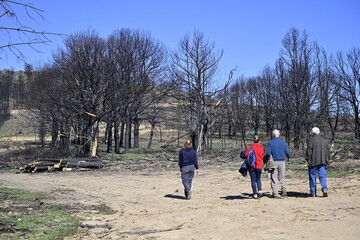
[151, 205]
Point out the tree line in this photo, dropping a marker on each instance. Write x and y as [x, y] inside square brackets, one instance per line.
[130, 78]
[307, 87]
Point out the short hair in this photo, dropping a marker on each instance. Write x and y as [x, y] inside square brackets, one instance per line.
[276, 133]
[256, 139]
[315, 130]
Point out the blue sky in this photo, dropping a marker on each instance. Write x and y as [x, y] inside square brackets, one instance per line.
[249, 31]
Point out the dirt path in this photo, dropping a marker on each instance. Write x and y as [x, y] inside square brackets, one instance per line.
[151, 206]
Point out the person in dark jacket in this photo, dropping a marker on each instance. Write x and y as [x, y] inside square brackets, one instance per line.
[188, 163]
[279, 151]
[255, 171]
[317, 157]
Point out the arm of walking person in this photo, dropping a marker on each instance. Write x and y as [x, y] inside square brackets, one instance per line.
[268, 150]
[180, 160]
[195, 160]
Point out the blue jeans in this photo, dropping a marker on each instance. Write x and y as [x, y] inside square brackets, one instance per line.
[255, 176]
[320, 170]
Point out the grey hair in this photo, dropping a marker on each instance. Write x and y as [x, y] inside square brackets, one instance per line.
[276, 133]
[315, 130]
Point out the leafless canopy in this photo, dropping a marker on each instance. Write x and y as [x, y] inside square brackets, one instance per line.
[15, 33]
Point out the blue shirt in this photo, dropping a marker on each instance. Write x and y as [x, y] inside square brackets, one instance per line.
[278, 149]
[188, 157]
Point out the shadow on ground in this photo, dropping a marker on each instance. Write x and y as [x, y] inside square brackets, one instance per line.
[250, 196]
[238, 197]
[298, 194]
[175, 196]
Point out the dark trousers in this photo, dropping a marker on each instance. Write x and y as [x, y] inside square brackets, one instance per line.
[255, 176]
[187, 174]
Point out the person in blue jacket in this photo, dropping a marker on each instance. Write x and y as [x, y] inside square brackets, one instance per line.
[279, 151]
[188, 164]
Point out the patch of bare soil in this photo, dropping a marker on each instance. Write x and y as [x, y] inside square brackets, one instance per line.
[149, 204]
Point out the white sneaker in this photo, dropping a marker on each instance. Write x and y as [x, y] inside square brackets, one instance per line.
[255, 196]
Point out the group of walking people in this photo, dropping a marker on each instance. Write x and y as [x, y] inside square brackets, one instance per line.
[273, 161]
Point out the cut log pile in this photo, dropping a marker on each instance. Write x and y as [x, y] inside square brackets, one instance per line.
[51, 164]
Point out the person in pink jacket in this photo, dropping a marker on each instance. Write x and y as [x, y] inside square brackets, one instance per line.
[255, 171]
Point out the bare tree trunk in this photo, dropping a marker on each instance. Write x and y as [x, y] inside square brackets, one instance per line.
[106, 133]
[206, 136]
[86, 136]
[116, 136]
[64, 137]
[243, 135]
[42, 132]
[161, 137]
[94, 145]
[122, 133]
[95, 139]
[287, 135]
[200, 138]
[297, 133]
[152, 134]
[206, 141]
[357, 123]
[229, 129]
[78, 134]
[194, 139]
[136, 132]
[54, 132]
[127, 133]
[109, 128]
[178, 135]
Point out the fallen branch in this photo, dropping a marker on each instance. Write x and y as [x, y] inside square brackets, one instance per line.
[153, 231]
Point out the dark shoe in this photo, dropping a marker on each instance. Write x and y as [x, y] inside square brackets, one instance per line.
[312, 195]
[325, 193]
[283, 192]
[275, 196]
[188, 197]
[260, 194]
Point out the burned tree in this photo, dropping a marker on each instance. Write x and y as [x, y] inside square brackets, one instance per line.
[6, 78]
[329, 102]
[236, 108]
[296, 84]
[267, 90]
[17, 35]
[195, 65]
[138, 62]
[84, 70]
[347, 70]
[253, 101]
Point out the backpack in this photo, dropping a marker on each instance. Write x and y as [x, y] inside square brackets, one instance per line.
[251, 158]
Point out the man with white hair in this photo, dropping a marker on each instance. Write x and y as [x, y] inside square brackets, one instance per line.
[278, 149]
[317, 156]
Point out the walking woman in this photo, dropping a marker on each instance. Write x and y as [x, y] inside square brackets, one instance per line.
[255, 171]
[188, 163]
